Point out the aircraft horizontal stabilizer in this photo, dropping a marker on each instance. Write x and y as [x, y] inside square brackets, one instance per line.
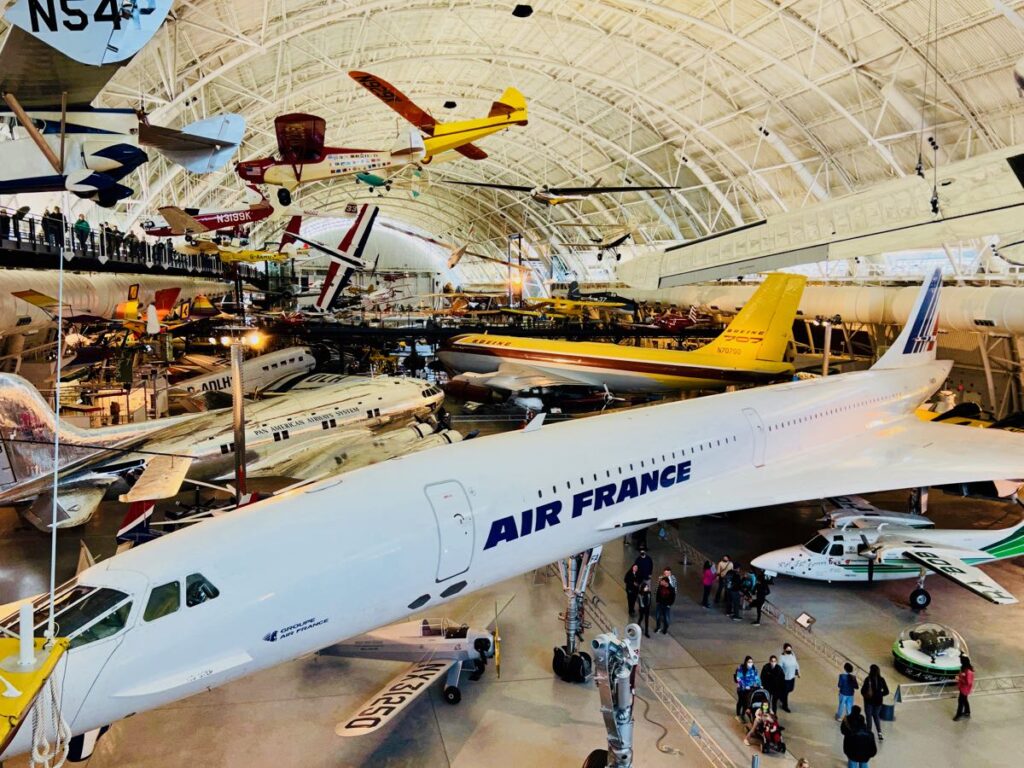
[179, 220]
[201, 147]
[947, 562]
[394, 697]
[75, 506]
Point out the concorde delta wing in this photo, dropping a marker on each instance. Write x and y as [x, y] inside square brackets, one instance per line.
[949, 563]
[907, 453]
[394, 697]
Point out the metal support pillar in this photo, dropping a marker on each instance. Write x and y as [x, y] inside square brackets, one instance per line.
[990, 384]
[577, 571]
[826, 349]
[615, 674]
[238, 414]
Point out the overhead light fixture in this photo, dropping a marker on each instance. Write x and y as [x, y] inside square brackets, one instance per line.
[522, 11]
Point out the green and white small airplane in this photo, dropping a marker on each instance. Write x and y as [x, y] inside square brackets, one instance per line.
[864, 549]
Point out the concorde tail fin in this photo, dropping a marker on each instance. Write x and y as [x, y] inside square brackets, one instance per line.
[916, 343]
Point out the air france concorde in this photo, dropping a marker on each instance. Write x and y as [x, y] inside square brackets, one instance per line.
[287, 576]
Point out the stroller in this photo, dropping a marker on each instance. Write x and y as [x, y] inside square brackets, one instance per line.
[769, 732]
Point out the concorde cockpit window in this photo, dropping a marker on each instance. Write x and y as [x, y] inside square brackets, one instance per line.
[163, 601]
[199, 589]
[818, 544]
[81, 613]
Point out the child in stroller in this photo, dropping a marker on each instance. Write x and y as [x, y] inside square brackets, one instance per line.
[763, 723]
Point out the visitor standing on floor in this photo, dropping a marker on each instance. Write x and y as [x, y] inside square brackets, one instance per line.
[858, 743]
[663, 600]
[848, 686]
[774, 680]
[965, 684]
[761, 592]
[732, 594]
[644, 604]
[791, 669]
[874, 690]
[723, 567]
[746, 680]
[632, 581]
[707, 579]
[645, 564]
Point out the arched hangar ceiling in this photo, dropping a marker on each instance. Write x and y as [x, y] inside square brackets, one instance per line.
[753, 106]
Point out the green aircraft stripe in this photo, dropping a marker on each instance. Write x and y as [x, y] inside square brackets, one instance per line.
[1011, 546]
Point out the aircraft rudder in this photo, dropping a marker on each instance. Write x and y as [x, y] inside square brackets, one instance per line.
[763, 328]
[917, 342]
[509, 103]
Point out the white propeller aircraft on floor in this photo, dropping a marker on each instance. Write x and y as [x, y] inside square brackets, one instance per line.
[881, 546]
[250, 590]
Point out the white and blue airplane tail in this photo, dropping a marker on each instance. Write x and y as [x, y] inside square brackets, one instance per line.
[916, 343]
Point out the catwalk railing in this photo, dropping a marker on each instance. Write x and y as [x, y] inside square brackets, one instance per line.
[907, 693]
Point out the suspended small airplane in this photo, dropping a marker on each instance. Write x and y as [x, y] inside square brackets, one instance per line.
[58, 51]
[557, 195]
[174, 221]
[868, 548]
[463, 250]
[567, 309]
[304, 157]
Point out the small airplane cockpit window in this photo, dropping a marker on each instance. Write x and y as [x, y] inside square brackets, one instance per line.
[199, 589]
[163, 600]
[818, 544]
[836, 550]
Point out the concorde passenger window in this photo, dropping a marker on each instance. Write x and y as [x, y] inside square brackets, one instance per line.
[199, 589]
[163, 600]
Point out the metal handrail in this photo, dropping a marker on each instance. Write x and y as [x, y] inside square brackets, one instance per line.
[946, 689]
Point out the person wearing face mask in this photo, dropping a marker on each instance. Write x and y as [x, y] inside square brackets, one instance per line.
[746, 680]
[774, 680]
[632, 581]
[791, 670]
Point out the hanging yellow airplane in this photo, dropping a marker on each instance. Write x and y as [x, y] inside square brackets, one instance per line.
[568, 309]
[753, 349]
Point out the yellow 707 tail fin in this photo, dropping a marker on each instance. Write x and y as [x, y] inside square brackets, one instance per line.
[763, 329]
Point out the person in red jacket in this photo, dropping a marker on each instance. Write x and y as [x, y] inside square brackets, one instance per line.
[965, 684]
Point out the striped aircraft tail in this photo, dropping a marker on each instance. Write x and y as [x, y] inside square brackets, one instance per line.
[916, 343]
[350, 252]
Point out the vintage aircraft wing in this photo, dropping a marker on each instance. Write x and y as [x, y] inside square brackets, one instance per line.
[949, 563]
[161, 479]
[300, 137]
[309, 458]
[515, 377]
[472, 151]
[908, 453]
[394, 697]
[180, 221]
[397, 100]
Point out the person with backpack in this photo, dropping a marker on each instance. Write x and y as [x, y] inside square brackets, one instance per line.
[965, 684]
[746, 680]
[663, 600]
[732, 594]
[847, 688]
[724, 566]
[858, 742]
[761, 592]
[874, 690]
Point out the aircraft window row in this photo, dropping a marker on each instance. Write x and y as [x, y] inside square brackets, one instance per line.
[282, 435]
[644, 463]
[229, 447]
[166, 598]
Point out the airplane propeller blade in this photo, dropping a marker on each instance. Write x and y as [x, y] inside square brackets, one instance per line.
[871, 555]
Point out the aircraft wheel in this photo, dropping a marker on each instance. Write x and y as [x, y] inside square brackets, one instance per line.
[452, 694]
[596, 759]
[580, 667]
[920, 599]
[284, 197]
[560, 663]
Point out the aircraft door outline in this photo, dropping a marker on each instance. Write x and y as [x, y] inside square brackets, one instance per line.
[759, 434]
[455, 528]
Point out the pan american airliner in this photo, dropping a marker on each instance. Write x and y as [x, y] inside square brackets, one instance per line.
[284, 577]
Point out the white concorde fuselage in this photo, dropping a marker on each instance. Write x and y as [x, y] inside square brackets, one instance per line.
[338, 558]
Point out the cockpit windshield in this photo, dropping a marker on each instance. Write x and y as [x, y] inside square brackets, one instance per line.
[81, 613]
[818, 544]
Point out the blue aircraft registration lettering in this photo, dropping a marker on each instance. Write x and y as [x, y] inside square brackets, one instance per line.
[548, 515]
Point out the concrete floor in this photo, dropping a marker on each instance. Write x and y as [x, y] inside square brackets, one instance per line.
[286, 716]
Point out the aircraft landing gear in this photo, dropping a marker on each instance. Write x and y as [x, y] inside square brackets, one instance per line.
[284, 197]
[616, 660]
[920, 597]
[568, 662]
[452, 694]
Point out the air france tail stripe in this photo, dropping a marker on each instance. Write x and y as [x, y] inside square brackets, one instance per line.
[924, 320]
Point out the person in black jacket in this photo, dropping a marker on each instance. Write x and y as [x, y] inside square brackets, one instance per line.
[874, 690]
[663, 600]
[645, 564]
[644, 604]
[632, 581]
[761, 592]
[773, 680]
[858, 742]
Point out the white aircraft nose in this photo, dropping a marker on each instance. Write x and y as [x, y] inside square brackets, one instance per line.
[779, 560]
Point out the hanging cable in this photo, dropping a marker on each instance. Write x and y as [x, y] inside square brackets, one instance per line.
[932, 63]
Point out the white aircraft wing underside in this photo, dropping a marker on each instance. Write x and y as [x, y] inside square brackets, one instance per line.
[907, 453]
[394, 697]
[947, 562]
[161, 479]
[309, 458]
[515, 377]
